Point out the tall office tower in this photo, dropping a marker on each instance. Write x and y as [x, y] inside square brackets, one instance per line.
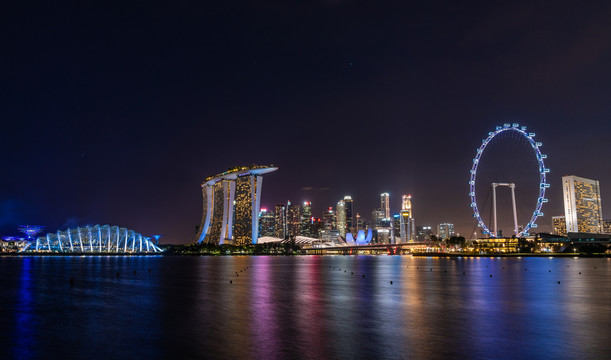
[341, 218]
[305, 228]
[396, 229]
[559, 225]
[445, 231]
[231, 202]
[361, 223]
[350, 224]
[607, 226]
[382, 228]
[279, 221]
[408, 230]
[293, 219]
[423, 233]
[385, 204]
[316, 226]
[329, 220]
[266, 223]
[582, 205]
[377, 217]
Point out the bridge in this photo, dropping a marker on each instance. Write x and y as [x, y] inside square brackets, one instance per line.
[390, 249]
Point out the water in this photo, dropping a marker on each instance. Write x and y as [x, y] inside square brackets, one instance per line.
[308, 307]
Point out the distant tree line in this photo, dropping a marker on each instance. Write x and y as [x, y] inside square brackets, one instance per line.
[275, 248]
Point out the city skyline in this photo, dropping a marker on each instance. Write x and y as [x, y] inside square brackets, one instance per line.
[119, 124]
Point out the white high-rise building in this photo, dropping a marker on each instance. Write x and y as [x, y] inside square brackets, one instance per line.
[341, 217]
[385, 204]
[582, 204]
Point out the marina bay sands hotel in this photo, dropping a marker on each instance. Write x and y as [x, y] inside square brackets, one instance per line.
[231, 206]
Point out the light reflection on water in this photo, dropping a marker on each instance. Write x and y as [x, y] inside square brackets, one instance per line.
[304, 307]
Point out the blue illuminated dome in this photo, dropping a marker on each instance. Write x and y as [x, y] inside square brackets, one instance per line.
[94, 239]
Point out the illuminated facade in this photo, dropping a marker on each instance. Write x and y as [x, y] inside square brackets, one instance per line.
[582, 205]
[396, 229]
[377, 218]
[407, 228]
[266, 223]
[445, 231]
[361, 223]
[329, 219]
[381, 226]
[385, 204]
[280, 221]
[94, 239]
[559, 225]
[305, 228]
[423, 233]
[293, 219]
[341, 218]
[231, 202]
[349, 204]
[607, 226]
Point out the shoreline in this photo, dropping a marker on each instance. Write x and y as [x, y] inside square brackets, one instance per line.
[429, 254]
[511, 255]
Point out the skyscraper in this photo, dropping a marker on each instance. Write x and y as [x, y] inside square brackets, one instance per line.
[377, 217]
[350, 224]
[559, 225]
[396, 229]
[382, 231]
[423, 233]
[445, 231]
[385, 204]
[341, 218]
[266, 223]
[280, 221]
[582, 204]
[361, 223]
[408, 230]
[306, 219]
[607, 226]
[329, 219]
[231, 202]
[293, 219]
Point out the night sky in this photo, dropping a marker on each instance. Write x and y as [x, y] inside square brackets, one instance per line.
[113, 113]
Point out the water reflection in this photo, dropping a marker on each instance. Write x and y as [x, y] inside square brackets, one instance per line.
[304, 307]
[24, 339]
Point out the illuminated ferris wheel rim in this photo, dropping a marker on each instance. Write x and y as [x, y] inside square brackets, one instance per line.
[542, 177]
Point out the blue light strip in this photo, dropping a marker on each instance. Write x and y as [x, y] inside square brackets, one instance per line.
[542, 176]
[91, 239]
[70, 238]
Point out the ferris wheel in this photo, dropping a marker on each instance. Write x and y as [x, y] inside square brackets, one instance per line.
[543, 185]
